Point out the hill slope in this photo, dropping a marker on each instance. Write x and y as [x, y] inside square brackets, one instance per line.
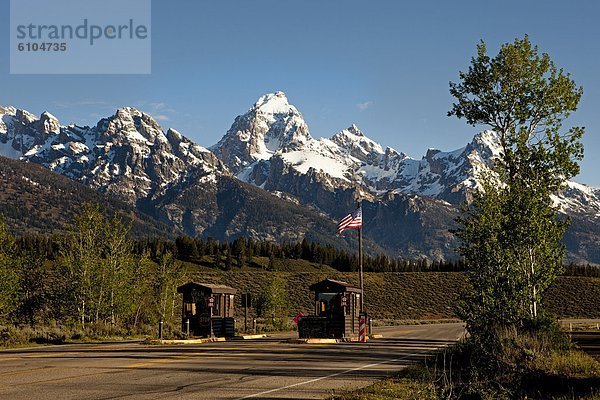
[407, 295]
[35, 200]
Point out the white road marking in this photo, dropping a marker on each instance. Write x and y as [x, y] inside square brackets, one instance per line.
[328, 376]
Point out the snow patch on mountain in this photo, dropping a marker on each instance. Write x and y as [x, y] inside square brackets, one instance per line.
[302, 161]
[577, 198]
[274, 103]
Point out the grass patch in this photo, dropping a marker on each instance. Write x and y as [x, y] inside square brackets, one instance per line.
[567, 375]
[412, 383]
[570, 363]
[527, 363]
[25, 336]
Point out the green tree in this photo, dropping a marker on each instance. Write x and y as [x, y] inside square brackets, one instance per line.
[143, 299]
[119, 266]
[169, 274]
[239, 248]
[36, 288]
[272, 266]
[511, 233]
[99, 262]
[9, 277]
[272, 301]
[82, 253]
[218, 262]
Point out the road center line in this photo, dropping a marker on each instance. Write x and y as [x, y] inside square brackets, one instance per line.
[22, 371]
[330, 376]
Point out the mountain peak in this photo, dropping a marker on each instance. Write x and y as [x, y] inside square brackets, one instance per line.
[269, 126]
[47, 115]
[274, 103]
[488, 142]
[10, 110]
[357, 143]
[353, 129]
[128, 112]
[48, 123]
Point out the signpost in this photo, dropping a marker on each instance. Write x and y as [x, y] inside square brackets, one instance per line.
[297, 318]
[246, 303]
[211, 304]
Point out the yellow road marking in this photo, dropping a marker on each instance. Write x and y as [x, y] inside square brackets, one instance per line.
[58, 379]
[48, 355]
[157, 361]
[179, 358]
[21, 371]
[402, 331]
[45, 355]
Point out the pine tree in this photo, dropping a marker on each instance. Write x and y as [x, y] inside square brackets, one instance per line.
[228, 261]
[239, 247]
[218, 262]
[272, 266]
[35, 287]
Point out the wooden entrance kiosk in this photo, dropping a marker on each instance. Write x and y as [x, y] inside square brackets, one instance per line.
[337, 305]
[207, 309]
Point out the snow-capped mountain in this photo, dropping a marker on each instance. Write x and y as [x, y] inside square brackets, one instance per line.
[271, 147]
[181, 185]
[409, 204]
[579, 199]
[271, 124]
[421, 195]
[127, 154]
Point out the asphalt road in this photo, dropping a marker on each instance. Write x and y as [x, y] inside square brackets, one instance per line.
[257, 369]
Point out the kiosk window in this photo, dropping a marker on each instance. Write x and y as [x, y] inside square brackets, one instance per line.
[329, 303]
[217, 306]
[190, 308]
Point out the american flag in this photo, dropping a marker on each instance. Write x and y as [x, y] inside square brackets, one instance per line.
[351, 221]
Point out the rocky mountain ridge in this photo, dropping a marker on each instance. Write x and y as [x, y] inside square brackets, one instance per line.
[349, 159]
[126, 154]
[409, 203]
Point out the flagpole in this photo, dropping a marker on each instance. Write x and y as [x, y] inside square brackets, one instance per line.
[360, 264]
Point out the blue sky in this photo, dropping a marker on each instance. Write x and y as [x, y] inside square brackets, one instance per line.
[384, 65]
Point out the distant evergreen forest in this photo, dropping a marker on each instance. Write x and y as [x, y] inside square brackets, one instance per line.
[226, 255]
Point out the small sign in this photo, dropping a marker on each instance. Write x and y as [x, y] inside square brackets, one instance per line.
[246, 300]
[297, 317]
[211, 301]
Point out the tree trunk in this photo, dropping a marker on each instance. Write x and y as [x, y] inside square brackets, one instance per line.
[533, 304]
[83, 313]
[112, 307]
